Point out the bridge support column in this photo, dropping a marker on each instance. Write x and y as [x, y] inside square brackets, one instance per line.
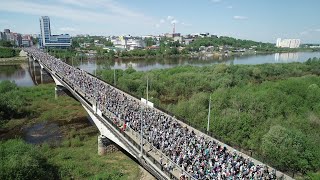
[59, 91]
[101, 147]
[41, 75]
[105, 145]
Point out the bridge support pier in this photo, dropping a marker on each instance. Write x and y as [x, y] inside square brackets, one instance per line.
[105, 145]
[59, 91]
[101, 147]
[41, 74]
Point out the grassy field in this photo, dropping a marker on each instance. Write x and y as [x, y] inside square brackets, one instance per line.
[76, 157]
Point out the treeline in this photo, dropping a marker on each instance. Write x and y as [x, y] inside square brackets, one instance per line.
[62, 53]
[271, 109]
[8, 52]
[4, 43]
[227, 41]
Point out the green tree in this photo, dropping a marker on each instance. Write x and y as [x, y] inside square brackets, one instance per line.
[5, 43]
[288, 150]
[23, 161]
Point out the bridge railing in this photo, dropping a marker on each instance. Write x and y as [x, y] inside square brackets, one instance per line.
[107, 115]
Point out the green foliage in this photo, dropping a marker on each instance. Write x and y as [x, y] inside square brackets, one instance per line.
[62, 53]
[4, 43]
[290, 150]
[12, 102]
[35, 41]
[23, 161]
[75, 44]
[75, 158]
[108, 43]
[249, 103]
[150, 41]
[8, 52]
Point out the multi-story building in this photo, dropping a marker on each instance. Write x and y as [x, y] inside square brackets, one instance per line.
[14, 38]
[48, 40]
[288, 43]
[128, 42]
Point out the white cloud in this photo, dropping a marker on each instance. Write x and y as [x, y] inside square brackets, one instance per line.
[229, 7]
[309, 31]
[162, 21]
[216, 1]
[170, 18]
[174, 22]
[186, 24]
[240, 17]
[113, 12]
[157, 25]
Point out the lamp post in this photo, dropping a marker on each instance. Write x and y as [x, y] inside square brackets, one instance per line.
[147, 90]
[114, 77]
[209, 115]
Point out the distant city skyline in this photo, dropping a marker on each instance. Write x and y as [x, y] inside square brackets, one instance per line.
[255, 20]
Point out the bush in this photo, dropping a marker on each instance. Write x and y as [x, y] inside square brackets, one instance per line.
[12, 102]
[23, 161]
[8, 52]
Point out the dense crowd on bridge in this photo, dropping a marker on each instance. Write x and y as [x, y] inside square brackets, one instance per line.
[201, 157]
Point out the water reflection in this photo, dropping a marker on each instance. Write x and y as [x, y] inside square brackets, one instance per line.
[25, 74]
[30, 73]
[164, 63]
[17, 73]
[286, 57]
[38, 75]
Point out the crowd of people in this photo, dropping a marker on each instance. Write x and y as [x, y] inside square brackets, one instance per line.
[195, 154]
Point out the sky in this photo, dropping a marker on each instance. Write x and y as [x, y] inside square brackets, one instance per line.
[259, 20]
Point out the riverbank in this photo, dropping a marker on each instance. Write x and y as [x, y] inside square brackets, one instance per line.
[211, 55]
[70, 142]
[13, 60]
[16, 60]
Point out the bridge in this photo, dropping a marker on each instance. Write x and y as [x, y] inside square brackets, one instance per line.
[165, 146]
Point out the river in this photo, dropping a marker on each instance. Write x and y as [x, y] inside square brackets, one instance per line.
[23, 76]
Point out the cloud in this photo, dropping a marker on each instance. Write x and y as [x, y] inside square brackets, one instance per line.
[240, 17]
[170, 18]
[157, 25]
[309, 31]
[229, 7]
[185, 24]
[80, 10]
[174, 22]
[216, 1]
[162, 21]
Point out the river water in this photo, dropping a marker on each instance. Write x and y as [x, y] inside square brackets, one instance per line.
[24, 75]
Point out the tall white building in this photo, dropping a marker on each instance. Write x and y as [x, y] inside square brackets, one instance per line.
[48, 40]
[288, 43]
